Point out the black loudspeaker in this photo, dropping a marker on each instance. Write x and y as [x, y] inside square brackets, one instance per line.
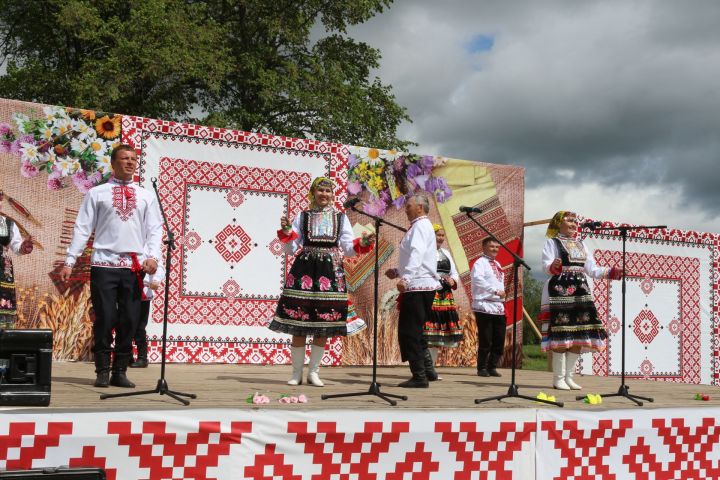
[63, 473]
[25, 367]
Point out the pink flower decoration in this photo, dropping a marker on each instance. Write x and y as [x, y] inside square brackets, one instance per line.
[324, 284]
[306, 282]
[290, 280]
[302, 399]
[354, 188]
[28, 170]
[570, 290]
[284, 400]
[54, 183]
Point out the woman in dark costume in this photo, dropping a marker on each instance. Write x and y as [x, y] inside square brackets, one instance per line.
[570, 323]
[443, 328]
[10, 240]
[314, 300]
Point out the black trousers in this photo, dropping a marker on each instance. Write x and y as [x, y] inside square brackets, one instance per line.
[115, 296]
[491, 339]
[140, 336]
[414, 312]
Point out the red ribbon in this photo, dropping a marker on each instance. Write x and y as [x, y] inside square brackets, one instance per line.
[137, 268]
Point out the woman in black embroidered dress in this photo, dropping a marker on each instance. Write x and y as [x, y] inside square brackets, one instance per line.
[314, 300]
[570, 322]
[443, 326]
[10, 240]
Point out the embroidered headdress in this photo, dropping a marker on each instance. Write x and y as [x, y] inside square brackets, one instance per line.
[319, 182]
[554, 227]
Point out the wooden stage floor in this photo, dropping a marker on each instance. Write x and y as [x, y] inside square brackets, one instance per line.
[227, 386]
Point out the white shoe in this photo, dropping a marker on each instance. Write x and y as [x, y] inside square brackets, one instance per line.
[298, 359]
[356, 326]
[558, 363]
[316, 354]
[570, 361]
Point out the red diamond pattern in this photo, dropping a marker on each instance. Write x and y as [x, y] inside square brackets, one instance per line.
[232, 243]
[646, 326]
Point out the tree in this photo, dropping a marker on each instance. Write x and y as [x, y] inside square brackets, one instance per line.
[245, 64]
[532, 292]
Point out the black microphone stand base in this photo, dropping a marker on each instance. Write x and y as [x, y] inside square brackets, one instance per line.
[514, 393]
[373, 390]
[161, 388]
[623, 392]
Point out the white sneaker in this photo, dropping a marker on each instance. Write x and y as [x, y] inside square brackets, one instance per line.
[356, 326]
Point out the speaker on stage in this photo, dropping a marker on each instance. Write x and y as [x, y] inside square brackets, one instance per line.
[25, 367]
[60, 473]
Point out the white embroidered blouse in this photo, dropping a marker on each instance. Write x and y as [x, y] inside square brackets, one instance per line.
[417, 263]
[487, 278]
[125, 218]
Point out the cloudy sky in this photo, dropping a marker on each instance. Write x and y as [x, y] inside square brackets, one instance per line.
[612, 107]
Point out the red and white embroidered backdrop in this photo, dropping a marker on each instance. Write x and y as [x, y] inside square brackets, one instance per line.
[521, 444]
[671, 316]
[224, 192]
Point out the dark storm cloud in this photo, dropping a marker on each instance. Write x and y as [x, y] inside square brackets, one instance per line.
[614, 92]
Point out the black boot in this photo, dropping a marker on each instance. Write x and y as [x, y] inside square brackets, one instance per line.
[482, 363]
[430, 372]
[142, 361]
[102, 369]
[119, 368]
[492, 365]
[419, 379]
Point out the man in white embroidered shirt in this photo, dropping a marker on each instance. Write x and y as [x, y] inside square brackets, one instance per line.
[488, 295]
[417, 271]
[128, 232]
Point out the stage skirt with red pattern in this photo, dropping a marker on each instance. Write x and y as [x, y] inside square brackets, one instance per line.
[568, 314]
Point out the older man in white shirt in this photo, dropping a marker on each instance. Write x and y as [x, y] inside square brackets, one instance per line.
[488, 295]
[418, 281]
[128, 232]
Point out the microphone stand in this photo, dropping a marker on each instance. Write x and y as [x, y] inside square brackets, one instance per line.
[162, 386]
[374, 386]
[623, 390]
[513, 391]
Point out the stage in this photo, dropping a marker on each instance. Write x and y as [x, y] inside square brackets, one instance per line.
[227, 386]
[439, 433]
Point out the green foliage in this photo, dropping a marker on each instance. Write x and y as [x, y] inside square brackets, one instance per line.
[532, 291]
[247, 64]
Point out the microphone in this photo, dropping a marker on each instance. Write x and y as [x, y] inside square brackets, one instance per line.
[470, 209]
[350, 203]
[591, 225]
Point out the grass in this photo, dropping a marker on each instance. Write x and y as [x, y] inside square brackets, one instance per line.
[534, 359]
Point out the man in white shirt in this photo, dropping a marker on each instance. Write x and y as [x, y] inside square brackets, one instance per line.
[488, 295]
[128, 232]
[418, 280]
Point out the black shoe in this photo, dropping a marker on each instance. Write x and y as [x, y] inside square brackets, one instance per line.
[103, 379]
[493, 373]
[119, 379]
[139, 363]
[415, 382]
[483, 373]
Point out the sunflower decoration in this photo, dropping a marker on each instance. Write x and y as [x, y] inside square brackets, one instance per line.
[72, 146]
[108, 126]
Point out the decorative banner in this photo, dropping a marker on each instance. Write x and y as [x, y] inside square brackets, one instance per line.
[224, 192]
[522, 444]
[671, 311]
